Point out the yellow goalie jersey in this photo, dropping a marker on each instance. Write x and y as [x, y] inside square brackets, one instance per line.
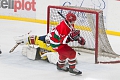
[40, 41]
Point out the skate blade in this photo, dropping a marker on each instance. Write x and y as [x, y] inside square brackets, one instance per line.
[73, 74]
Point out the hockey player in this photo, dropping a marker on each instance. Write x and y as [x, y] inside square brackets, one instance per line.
[59, 37]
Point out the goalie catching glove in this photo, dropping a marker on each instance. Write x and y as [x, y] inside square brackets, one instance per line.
[75, 36]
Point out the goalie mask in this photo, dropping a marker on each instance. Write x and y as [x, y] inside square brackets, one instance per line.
[70, 17]
[74, 35]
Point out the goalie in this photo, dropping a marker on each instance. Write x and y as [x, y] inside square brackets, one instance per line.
[35, 48]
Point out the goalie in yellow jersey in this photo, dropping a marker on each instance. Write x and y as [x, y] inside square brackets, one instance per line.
[37, 47]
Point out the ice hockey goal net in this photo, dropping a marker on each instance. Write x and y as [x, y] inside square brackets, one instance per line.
[91, 25]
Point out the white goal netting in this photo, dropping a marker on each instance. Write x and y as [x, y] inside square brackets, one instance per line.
[91, 25]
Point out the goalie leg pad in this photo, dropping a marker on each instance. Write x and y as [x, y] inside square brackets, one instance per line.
[53, 57]
[31, 52]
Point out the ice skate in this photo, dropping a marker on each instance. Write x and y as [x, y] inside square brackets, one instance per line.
[74, 71]
[64, 68]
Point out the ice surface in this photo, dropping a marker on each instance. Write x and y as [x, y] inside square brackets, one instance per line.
[15, 66]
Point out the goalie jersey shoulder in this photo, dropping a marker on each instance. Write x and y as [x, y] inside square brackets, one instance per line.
[42, 38]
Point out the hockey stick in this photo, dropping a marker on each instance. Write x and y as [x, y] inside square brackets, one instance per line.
[14, 47]
[61, 15]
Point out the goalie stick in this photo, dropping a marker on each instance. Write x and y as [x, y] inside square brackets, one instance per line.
[14, 47]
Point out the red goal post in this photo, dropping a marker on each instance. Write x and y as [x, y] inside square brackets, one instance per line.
[91, 25]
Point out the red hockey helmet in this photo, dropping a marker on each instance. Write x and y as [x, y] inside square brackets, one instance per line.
[70, 17]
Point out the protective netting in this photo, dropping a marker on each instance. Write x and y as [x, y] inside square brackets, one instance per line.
[87, 20]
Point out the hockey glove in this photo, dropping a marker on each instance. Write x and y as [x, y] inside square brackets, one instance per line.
[74, 35]
[81, 41]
